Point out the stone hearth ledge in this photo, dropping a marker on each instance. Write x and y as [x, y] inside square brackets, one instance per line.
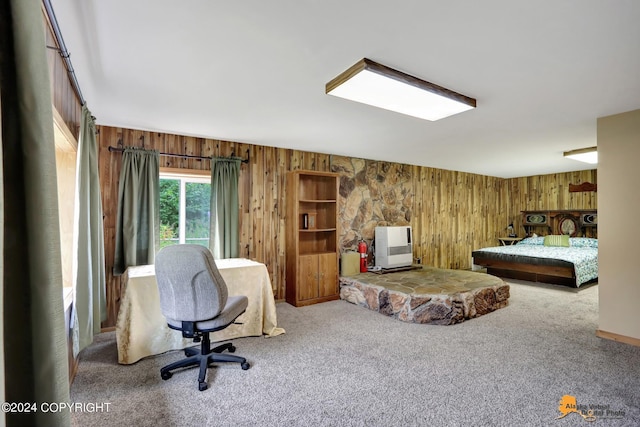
[431, 295]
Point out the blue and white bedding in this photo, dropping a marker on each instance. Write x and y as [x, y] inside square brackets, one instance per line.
[582, 253]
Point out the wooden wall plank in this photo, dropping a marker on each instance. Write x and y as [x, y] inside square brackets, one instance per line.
[549, 192]
[270, 236]
[64, 98]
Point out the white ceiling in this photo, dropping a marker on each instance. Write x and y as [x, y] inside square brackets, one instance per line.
[254, 71]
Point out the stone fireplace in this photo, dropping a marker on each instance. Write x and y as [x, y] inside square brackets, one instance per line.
[372, 193]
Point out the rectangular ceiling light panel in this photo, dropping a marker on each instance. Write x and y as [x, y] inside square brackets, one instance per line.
[587, 155]
[374, 84]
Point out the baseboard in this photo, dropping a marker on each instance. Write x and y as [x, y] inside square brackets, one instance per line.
[619, 338]
[75, 361]
[73, 368]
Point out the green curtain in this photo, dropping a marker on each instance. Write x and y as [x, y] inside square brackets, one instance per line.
[35, 367]
[90, 299]
[223, 235]
[138, 221]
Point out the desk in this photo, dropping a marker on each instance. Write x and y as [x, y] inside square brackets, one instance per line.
[141, 329]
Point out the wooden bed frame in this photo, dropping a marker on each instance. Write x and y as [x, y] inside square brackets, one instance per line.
[585, 223]
[530, 272]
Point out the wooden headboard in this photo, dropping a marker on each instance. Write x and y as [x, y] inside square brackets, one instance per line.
[577, 222]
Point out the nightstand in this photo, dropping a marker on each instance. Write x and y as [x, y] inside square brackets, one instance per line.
[507, 241]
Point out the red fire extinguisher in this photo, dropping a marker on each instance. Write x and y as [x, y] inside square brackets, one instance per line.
[362, 249]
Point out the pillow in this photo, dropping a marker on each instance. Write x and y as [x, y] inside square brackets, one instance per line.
[583, 242]
[557, 240]
[535, 240]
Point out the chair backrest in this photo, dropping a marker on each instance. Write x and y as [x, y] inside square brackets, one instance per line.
[190, 285]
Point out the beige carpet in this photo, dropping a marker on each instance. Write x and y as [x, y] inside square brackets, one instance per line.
[343, 365]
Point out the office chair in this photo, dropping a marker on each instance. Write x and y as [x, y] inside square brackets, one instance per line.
[194, 300]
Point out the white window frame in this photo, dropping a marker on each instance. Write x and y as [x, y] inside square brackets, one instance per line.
[185, 175]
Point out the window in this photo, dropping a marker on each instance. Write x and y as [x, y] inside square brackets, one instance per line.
[184, 207]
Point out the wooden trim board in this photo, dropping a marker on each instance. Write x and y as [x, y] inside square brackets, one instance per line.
[619, 338]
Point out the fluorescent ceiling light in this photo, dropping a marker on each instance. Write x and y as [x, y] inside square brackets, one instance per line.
[587, 155]
[378, 85]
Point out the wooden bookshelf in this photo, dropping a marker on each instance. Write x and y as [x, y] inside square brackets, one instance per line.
[312, 237]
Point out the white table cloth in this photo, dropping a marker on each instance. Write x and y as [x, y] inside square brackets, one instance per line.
[141, 329]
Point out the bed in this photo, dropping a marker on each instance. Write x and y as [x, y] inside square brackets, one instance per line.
[557, 259]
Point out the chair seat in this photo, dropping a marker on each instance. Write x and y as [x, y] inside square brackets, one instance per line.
[234, 307]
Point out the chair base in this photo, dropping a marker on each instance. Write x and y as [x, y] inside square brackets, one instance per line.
[203, 357]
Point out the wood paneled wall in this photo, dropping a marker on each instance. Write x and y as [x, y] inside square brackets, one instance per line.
[542, 192]
[65, 100]
[453, 213]
[262, 194]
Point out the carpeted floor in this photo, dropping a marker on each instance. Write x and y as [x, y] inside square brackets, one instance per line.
[343, 365]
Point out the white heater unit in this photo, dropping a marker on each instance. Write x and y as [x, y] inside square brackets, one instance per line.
[394, 247]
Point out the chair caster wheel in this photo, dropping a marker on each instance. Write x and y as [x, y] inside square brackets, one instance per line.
[202, 386]
[245, 366]
[232, 349]
[166, 375]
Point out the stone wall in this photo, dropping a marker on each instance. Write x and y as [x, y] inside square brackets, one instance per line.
[372, 193]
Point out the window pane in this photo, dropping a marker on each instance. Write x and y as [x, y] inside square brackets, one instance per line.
[197, 200]
[169, 212]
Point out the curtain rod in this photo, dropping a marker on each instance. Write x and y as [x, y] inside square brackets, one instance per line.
[189, 156]
[62, 50]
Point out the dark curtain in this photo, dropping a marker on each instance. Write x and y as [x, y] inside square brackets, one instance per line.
[90, 301]
[35, 365]
[138, 221]
[223, 235]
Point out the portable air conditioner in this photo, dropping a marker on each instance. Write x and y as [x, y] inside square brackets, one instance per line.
[394, 246]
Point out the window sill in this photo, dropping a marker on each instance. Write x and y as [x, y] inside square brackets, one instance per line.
[67, 296]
